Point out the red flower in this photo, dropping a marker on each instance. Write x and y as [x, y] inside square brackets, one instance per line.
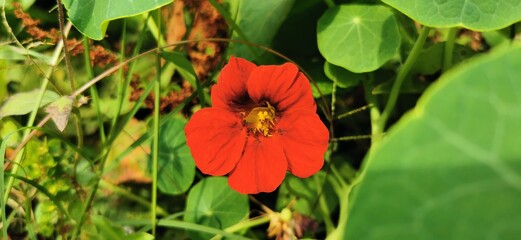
[263, 123]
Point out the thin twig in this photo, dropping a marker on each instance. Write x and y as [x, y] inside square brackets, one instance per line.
[66, 53]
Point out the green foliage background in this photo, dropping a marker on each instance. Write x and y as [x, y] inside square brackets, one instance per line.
[422, 99]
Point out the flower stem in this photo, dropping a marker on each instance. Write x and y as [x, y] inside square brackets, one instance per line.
[402, 73]
[449, 47]
[342, 219]
[252, 222]
[330, 3]
[155, 141]
[249, 223]
[374, 112]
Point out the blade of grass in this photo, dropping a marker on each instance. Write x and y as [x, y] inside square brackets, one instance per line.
[196, 227]
[114, 129]
[92, 89]
[155, 141]
[2, 187]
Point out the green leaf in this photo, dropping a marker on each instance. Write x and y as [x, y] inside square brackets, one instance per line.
[176, 166]
[9, 132]
[182, 65]
[23, 103]
[140, 236]
[326, 87]
[92, 17]
[496, 38]
[46, 216]
[60, 110]
[211, 202]
[477, 15]
[259, 20]
[9, 52]
[359, 38]
[430, 59]
[107, 229]
[450, 168]
[341, 76]
[306, 193]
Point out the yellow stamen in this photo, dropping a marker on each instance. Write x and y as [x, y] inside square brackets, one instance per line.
[261, 119]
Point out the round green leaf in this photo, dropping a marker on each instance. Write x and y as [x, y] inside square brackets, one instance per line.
[359, 38]
[341, 76]
[477, 15]
[211, 202]
[92, 17]
[451, 168]
[176, 167]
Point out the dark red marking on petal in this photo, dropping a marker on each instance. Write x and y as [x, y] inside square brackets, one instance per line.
[283, 86]
[230, 89]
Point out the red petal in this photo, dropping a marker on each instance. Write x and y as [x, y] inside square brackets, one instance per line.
[231, 84]
[262, 167]
[216, 140]
[304, 139]
[283, 86]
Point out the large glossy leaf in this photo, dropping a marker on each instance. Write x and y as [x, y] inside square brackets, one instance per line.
[211, 202]
[479, 15]
[91, 17]
[259, 20]
[176, 166]
[451, 168]
[360, 38]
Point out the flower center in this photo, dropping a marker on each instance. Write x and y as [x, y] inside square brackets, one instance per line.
[261, 120]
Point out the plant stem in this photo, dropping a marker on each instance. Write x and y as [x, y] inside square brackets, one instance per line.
[449, 47]
[122, 84]
[248, 224]
[339, 232]
[402, 73]
[333, 111]
[64, 40]
[155, 141]
[154, 29]
[374, 111]
[92, 88]
[329, 3]
[328, 222]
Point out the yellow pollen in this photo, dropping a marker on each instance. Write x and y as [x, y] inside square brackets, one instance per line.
[261, 120]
